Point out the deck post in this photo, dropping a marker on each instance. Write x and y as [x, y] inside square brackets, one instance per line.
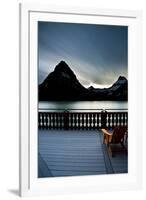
[103, 118]
[66, 119]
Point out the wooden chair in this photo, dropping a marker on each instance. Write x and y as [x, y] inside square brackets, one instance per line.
[116, 136]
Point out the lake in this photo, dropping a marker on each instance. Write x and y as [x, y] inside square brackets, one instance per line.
[79, 105]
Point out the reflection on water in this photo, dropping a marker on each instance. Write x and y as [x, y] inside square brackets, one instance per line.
[83, 105]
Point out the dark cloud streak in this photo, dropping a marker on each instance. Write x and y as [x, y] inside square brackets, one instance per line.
[96, 53]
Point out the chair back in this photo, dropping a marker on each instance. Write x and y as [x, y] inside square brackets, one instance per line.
[118, 134]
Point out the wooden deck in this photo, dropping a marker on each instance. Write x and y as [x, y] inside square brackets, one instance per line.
[75, 153]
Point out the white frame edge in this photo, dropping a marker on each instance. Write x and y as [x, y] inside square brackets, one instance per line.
[26, 189]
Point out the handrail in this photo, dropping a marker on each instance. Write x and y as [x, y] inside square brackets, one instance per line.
[73, 109]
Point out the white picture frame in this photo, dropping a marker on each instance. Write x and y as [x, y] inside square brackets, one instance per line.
[30, 185]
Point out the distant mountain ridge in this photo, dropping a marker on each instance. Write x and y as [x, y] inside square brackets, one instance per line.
[63, 85]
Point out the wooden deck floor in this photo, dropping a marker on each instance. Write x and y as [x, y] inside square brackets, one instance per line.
[75, 153]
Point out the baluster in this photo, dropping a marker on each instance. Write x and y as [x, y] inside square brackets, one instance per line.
[59, 120]
[86, 121]
[77, 121]
[72, 120]
[107, 120]
[56, 120]
[122, 119]
[45, 124]
[107, 116]
[52, 120]
[95, 114]
[94, 120]
[46, 120]
[82, 121]
[39, 120]
[69, 120]
[43, 120]
[112, 120]
[97, 122]
[54, 123]
[89, 121]
[126, 119]
[115, 119]
[118, 119]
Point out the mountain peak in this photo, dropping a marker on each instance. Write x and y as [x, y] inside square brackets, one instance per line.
[122, 78]
[91, 88]
[63, 67]
[63, 63]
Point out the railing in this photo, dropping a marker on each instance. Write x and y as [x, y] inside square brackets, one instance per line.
[82, 120]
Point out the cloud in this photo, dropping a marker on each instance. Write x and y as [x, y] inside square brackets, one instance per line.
[96, 54]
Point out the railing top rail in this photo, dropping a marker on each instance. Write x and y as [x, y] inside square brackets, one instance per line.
[83, 110]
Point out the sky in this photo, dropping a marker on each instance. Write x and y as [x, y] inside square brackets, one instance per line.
[97, 54]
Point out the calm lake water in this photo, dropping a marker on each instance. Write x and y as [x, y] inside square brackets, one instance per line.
[63, 105]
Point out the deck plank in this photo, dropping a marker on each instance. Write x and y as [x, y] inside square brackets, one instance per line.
[70, 153]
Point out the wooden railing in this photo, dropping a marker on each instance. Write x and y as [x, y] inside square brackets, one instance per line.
[82, 120]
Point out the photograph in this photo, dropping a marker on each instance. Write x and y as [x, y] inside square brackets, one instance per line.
[82, 99]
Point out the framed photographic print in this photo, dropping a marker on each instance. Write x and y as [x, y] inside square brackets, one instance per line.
[80, 100]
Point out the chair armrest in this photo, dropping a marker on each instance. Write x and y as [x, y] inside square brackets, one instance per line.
[106, 132]
[107, 136]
